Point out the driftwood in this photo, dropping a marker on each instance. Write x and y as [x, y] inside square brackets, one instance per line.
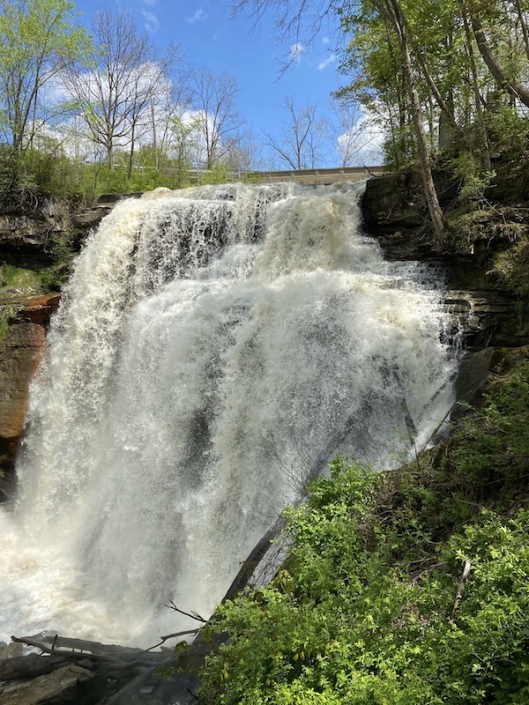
[119, 663]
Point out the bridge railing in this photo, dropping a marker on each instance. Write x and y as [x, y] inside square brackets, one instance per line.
[319, 176]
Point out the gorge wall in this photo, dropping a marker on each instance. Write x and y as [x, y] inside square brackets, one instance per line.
[487, 309]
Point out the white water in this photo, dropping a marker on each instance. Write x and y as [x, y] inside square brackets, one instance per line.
[189, 389]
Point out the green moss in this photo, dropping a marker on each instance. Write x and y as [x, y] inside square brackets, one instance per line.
[512, 265]
[19, 282]
[6, 314]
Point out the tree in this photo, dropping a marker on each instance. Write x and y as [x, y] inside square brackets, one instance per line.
[38, 38]
[302, 139]
[214, 105]
[116, 94]
[505, 81]
[184, 131]
[356, 134]
[392, 10]
[167, 110]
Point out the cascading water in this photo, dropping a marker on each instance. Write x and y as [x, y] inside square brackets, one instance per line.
[211, 345]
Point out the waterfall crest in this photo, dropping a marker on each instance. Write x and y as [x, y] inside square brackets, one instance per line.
[211, 344]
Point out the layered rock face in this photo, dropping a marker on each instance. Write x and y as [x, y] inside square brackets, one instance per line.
[484, 312]
[20, 353]
[27, 240]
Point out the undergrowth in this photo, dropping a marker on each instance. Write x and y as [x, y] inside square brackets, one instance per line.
[20, 282]
[371, 607]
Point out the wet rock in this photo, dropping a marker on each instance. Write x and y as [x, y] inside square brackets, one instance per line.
[14, 650]
[70, 685]
[91, 217]
[21, 350]
[486, 318]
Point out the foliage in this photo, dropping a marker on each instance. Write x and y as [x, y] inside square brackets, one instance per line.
[509, 135]
[512, 265]
[474, 179]
[7, 312]
[19, 282]
[37, 38]
[457, 49]
[364, 610]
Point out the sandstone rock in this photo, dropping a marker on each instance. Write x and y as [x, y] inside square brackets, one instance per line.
[20, 353]
[26, 237]
[91, 217]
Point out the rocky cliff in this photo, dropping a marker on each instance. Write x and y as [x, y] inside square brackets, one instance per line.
[36, 248]
[487, 309]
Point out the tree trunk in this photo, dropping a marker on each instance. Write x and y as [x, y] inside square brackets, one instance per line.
[477, 95]
[496, 69]
[523, 25]
[392, 10]
[132, 148]
[154, 139]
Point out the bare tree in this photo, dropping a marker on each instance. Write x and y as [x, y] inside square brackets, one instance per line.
[214, 104]
[357, 135]
[115, 95]
[296, 20]
[301, 142]
[168, 108]
[245, 155]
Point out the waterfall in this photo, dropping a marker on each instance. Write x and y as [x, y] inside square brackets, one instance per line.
[211, 344]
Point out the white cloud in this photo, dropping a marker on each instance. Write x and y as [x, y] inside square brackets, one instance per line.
[150, 3]
[296, 50]
[197, 17]
[328, 62]
[325, 41]
[152, 23]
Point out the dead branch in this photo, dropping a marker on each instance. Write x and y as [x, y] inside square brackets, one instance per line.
[203, 702]
[193, 615]
[30, 666]
[171, 636]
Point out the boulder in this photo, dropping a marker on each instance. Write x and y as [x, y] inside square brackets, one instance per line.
[70, 685]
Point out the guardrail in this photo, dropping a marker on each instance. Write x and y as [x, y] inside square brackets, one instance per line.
[316, 177]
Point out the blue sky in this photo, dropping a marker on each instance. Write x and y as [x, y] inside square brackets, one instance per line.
[211, 37]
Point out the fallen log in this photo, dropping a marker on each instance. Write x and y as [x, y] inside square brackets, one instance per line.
[127, 660]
